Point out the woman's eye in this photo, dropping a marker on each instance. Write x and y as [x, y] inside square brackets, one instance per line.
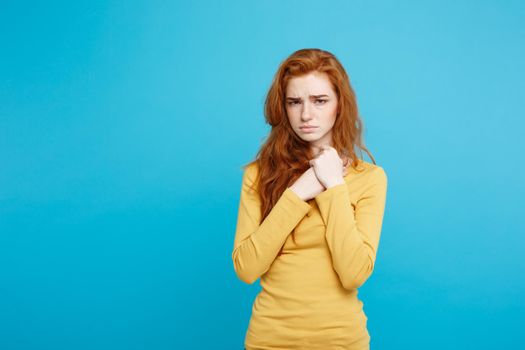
[298, 102]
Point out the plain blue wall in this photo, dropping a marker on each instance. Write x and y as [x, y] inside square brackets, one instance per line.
[123, 126]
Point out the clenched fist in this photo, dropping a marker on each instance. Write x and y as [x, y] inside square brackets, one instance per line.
[328, 167]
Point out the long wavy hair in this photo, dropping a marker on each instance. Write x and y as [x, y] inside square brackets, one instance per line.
[284, 156]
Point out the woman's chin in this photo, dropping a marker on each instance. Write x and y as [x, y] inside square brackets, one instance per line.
[310, 137]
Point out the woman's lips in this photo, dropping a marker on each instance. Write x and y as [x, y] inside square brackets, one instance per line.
[308, 129]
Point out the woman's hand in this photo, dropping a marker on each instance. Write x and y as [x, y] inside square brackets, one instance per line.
[328, 167]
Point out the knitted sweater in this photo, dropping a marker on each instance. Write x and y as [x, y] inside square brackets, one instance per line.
[309, 291]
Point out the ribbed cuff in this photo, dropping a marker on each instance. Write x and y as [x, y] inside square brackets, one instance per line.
[329, 192]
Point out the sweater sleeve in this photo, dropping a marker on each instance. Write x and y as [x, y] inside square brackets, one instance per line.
[257, 243]
[352, 234]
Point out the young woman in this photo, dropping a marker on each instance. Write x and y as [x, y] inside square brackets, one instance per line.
[310, 212]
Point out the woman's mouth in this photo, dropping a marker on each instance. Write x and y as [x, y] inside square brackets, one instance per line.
[308, 129]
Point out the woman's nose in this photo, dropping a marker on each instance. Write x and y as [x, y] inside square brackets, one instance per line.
[306, 114]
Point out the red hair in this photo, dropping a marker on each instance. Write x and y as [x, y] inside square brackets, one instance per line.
[284, 156]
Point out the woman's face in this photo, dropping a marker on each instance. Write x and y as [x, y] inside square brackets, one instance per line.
[311, 101]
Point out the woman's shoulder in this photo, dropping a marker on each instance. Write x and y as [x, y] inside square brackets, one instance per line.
[250, 170]
[252, 166]
[364, 170]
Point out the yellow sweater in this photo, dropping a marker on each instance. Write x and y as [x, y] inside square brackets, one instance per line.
[309, 292]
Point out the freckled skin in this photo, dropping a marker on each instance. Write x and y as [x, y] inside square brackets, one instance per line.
[320, 112]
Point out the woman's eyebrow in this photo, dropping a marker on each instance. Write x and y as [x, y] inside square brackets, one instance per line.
[311, 96]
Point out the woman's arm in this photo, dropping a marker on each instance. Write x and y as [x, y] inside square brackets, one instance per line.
[257, 244]
[353, 236]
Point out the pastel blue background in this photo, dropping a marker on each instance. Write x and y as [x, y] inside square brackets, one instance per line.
[123, 126]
